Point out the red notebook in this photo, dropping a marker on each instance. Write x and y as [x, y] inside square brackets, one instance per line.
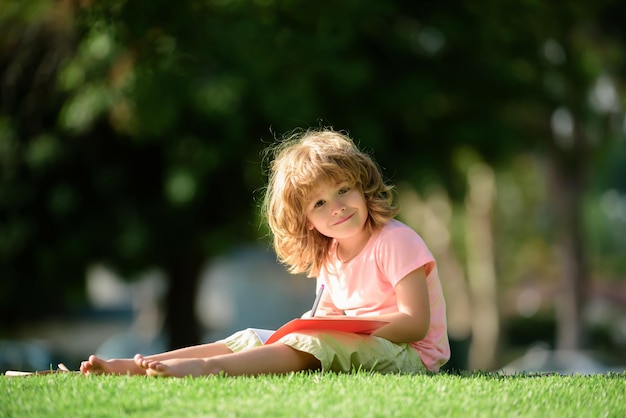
[339, 323]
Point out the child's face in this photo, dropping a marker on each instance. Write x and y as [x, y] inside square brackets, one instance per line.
[336, 210]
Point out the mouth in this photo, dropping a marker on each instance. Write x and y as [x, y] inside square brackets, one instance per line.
[344, 219]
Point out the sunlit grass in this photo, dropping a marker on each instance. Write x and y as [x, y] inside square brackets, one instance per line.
[315, 394]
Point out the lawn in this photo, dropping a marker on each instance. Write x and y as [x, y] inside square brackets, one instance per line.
[315, 395]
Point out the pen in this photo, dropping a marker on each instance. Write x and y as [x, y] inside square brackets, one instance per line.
[317, 300]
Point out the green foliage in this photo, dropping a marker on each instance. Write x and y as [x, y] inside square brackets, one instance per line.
[130, 134]
[317, 394]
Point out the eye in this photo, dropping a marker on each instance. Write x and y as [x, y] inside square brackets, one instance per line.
[343, 190]
[318, 204]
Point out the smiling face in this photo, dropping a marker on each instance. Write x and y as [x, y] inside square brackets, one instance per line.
[337, 211]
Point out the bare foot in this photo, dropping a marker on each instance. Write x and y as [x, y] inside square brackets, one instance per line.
[173, 368]
[96, 365]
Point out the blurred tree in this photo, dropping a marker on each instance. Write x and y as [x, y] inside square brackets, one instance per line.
[541, 78]
[115, 150]
[567, 108]
[35, 40]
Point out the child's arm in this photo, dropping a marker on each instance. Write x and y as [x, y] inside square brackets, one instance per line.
[412, 320]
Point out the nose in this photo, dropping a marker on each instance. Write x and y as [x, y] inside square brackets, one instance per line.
[338, 207]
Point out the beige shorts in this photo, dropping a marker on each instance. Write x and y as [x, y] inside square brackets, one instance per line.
[340, 351]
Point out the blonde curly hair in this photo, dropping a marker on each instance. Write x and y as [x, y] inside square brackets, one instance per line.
[300, 162]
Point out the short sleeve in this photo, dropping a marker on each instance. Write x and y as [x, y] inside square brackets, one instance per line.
[401, 251]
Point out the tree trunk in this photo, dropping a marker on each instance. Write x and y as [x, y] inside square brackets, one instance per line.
[481, 268]
[181, 323]
[567, 186]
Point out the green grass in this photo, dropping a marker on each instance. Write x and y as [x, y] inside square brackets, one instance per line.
[315, 395]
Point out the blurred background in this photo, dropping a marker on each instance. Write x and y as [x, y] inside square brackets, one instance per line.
[131, 167]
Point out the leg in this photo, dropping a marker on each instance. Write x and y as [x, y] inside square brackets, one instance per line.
[268, 359]
[134, 366]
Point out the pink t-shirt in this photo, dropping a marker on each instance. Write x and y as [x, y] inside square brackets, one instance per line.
[365, 285]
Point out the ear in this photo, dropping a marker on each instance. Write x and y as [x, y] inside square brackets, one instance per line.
[309, 225]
